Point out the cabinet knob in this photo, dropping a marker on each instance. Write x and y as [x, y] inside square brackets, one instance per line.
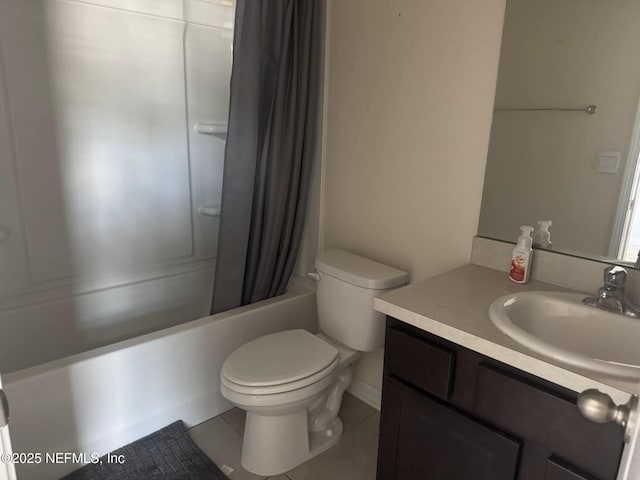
[598, 407]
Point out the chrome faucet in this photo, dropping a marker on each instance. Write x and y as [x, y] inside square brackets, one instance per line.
[612, 296]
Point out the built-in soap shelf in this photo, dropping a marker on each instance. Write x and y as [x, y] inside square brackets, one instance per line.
[209, 210]
[4, 233]
[212, 128]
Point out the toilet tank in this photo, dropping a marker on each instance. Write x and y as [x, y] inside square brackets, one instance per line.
[347, 285]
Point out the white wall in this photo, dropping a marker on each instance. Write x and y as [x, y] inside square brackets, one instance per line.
[410, 88]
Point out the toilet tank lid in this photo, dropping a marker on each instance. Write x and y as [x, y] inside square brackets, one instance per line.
[360, 271]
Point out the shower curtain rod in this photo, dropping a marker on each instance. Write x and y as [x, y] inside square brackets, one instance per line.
[591, 109]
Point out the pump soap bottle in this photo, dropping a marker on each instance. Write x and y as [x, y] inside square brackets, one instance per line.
[542, 236]
[522, 255]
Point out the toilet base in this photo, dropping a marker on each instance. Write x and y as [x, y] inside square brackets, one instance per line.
[265, 436]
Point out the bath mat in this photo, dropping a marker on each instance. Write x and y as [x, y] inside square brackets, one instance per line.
[168, 454]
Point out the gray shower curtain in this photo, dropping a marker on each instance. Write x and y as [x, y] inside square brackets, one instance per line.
[272, 127]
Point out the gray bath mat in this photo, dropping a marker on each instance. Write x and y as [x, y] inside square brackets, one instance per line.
[168, 454]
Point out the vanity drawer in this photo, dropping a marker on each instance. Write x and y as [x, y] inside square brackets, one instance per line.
[548, 417]
[420, 362]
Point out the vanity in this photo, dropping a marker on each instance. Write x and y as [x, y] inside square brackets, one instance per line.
[462, 400]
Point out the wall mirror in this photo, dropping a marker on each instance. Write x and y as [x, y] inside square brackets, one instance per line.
[565, 138]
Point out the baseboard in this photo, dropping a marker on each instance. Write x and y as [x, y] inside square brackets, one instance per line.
[365, 392]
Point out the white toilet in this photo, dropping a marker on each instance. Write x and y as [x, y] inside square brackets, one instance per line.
[291, 383]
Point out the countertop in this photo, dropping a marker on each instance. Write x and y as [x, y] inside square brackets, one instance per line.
[455, 305]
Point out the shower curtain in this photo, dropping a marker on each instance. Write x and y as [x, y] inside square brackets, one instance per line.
[272, 128]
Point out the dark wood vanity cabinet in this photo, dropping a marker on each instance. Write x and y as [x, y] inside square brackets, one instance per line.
[424, 439]
[451, 414]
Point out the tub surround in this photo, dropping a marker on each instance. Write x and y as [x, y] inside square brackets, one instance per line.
[65, 286]
[455, 305]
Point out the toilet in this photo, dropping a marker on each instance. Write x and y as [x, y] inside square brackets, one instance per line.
[291, 383]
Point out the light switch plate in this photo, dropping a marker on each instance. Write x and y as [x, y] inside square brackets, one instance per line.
[608, 162]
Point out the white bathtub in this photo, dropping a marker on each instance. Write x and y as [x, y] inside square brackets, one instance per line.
[105, 398]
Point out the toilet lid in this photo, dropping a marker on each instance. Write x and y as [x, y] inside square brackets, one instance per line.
[279, 358]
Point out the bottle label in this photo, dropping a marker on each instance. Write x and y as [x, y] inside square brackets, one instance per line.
[517, 268]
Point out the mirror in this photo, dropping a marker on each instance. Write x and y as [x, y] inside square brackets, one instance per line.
[550, 156]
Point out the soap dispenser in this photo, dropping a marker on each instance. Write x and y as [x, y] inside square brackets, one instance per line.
[522, 255]
[542, 236]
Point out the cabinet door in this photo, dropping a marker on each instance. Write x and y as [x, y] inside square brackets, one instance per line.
[560, 470]
[422, 439]
[547, 417]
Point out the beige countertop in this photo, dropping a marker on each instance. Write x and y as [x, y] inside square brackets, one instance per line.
[455, 305]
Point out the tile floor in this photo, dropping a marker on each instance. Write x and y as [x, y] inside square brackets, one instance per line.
[353, 458]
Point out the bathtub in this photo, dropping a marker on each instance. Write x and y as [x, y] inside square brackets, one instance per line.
[105, 398]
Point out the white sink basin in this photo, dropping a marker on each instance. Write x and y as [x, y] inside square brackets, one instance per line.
[560, 326]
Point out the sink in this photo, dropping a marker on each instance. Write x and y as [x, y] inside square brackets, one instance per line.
[561, 327]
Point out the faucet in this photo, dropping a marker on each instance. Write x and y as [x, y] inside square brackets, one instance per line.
[612, 296]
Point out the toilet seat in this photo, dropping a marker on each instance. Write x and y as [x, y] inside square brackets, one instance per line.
[279, 362]
[283, 387]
